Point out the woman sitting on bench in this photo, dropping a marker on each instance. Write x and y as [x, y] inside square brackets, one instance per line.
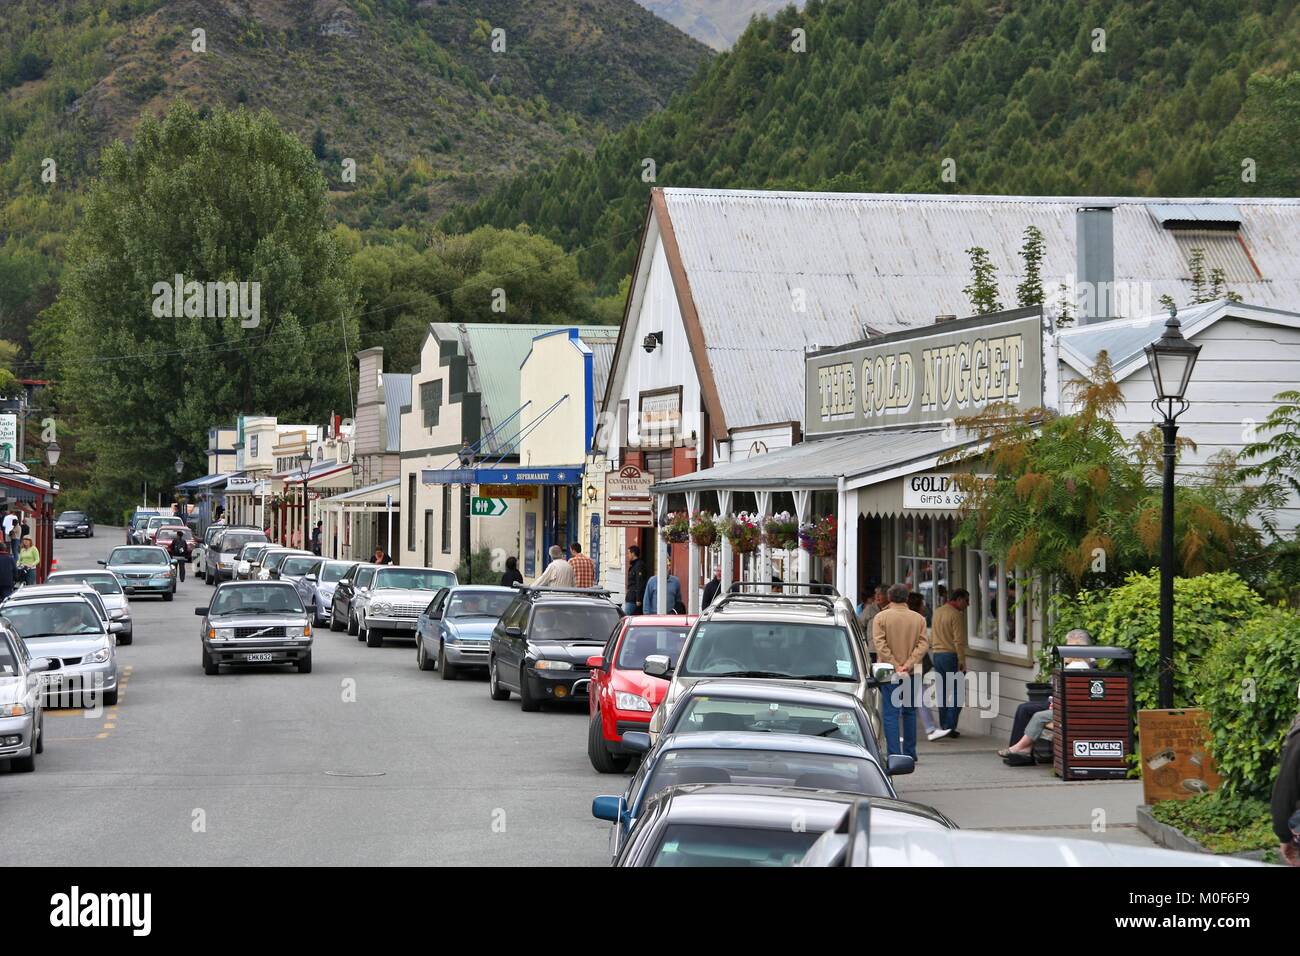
[1021, 753]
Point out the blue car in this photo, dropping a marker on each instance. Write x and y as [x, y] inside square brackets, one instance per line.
[745, 759]
[453, 631]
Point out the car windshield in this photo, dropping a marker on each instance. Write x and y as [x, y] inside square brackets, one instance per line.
[407, 579]
[478, 603]
[643, 640]
[298, 565]
[138, 556]
[232, 541]
[777, 649]
[698, 844]
[102, 581]
[158, 521]
[365, 576]
[572, 622]
[251, 551]
[333, 571]
[767, 768]
[8, 666]
[72, 516]
[32, 619]
[704, 714]
[256, 599]
[272, 561]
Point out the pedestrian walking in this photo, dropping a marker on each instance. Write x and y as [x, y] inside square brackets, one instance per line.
[559, 573]
[879, 601]
[584, 569]
[927, 701]
[512, 578]
[948, 651]
[315, 537]
[635, 582]
[650, 602]
[713, 588]
[29, 559]
[1285, 803]
[898, 633]
[180, 554]
[12, 532]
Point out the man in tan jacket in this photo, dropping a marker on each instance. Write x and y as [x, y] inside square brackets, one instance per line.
[898, 634]
[948, 651]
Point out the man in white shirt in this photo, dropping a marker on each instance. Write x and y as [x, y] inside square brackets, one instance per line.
[559, 573]
[10, 521]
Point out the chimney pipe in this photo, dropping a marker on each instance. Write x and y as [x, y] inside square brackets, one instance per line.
[939, 319]
[1094, 232]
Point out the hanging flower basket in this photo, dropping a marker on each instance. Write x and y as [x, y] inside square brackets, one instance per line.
[819, 536]
[704, 529]
[742, 531]
[677, 530]
[781, 531]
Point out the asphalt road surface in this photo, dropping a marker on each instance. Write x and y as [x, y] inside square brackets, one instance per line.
[366, 760]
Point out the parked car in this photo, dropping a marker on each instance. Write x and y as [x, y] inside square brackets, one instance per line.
[110, 590]
[271, 559]
[295, 567]
[393, 603]
[223, 553]
[622, 696]
[354, 582]
[811, 639]
[250, 560]
[453, 632]
[41, 591]
[68, 630]
[149, 529]
[74, 524]
[22, 711]
[752, 759]
[727, 825]
[199, 556]
[316, 588]
[255, 622]
[143, 569]
[138, 520]
[541, 646]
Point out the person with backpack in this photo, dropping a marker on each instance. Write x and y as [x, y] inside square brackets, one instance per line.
[180, 553]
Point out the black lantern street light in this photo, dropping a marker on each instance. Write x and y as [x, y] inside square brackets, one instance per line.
[304, 466]
[179, 465]
[1171, 359]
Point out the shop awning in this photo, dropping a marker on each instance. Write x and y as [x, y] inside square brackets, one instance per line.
[561, 475]
[318, 471]
[205, 482]
[376, 494]
[861, 459]
[25, 488]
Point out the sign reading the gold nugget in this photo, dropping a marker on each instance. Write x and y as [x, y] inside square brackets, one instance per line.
[927, 375]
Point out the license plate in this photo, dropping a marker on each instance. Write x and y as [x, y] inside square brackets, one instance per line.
[257, 658]
[50, 680]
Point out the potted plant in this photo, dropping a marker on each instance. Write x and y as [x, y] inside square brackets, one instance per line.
[742, 531]
[677, 529]
[704, 529]
[782, 531]
[818, 536]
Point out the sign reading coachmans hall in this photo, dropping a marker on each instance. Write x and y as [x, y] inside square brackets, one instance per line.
[927, 375]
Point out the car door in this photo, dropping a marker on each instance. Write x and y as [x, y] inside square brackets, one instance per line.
[343, 594]
[429, 626]
[503, 645]
[600, 675]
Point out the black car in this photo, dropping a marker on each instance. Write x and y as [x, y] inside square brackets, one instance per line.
[341, 616]
[74, 524]
[539, 647]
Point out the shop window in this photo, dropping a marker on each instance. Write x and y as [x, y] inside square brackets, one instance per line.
[431, 401]
[410, 514]
[659, 464]
[428, 537]
[1001, 602]
[922, 562]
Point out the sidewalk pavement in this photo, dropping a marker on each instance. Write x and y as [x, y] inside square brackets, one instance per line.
[966, 780]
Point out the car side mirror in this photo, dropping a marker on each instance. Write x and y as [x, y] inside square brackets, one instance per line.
[596, 662]
[882, 673]
[39, 664]
[636, 741]
[900, 764]
[607, 808]
[104, 563]
[310, 577]
[658, 665]
[201, 611]
[514, 631]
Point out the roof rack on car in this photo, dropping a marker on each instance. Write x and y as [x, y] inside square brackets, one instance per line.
[770, 586]
[532, 589]
[825, 598]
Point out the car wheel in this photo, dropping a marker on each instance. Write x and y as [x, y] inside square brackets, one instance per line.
[334, 621]
[110, 697]
[526, 701]
[40, 736]
[126, 637]
[352, 624]
[23, 764]
[170, 594]
[422, 658]
[598, 753]
[304, 665]
[374, 637]
[448, 670]
[210, 666]
[495, 690]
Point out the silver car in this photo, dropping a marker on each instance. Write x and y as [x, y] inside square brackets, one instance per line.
[71, 589]
[395, 600]
[221, 558]
[255, 622]
[143, 569]
[22, 713]
[110, 591]
[316, 588]
[69, 631]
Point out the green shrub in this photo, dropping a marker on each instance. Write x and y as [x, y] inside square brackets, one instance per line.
[1249, 688]
[1221, 822]
[1206, 608]
[481, 567]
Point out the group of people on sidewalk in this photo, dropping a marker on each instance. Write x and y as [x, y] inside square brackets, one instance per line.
[19, 556]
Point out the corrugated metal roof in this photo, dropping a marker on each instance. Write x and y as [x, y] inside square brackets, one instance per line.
[820, 463]
[602, 358]
[891, 262]
[366, 490]
[1194, 212]
[397, 394]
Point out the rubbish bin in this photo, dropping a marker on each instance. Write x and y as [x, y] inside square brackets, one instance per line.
[1092, 708]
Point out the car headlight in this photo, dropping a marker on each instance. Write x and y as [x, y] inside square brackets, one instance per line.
[243, 567]
[553, 666]
[119, 613]
[82, 527]
[297, 633]
[221, 633]
[100, 656]
[626, 701]
[382, 608]
[13, 710]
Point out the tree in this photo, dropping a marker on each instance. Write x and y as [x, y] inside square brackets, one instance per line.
[1030, 291]
[983, 288]
[229, 199]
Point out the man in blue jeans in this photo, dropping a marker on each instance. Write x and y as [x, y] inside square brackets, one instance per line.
[948, 651]
[898, 634]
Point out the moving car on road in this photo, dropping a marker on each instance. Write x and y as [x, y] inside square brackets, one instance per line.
[200, 554]
[69, 631]
[316, 588]
[67, 589]
[393, 603]
[222, 558]
[148, 533]
[138, 520]
[541, 646]
[255, 622]
[355, 581]
[717, 826]
[622, 696]
[143, 569]
[22, 711]
[74, 524]
[453, 632]
[110, 591]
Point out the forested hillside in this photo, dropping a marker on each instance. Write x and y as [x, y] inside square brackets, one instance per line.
[1166, 97]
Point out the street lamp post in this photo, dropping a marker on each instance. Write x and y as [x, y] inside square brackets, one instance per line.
[1171, 359]
[179, 465]
[52, 452]
[304, 466]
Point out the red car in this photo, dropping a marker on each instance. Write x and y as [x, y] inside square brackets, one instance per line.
[621, 697]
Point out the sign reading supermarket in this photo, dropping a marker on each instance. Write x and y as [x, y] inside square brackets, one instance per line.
[928, 375]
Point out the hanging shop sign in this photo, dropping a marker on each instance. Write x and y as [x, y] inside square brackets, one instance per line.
[926, 376]
[934, 491]
[628, 502]
[661, 413]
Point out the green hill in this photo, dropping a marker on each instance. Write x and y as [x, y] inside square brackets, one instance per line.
[1023, 98]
